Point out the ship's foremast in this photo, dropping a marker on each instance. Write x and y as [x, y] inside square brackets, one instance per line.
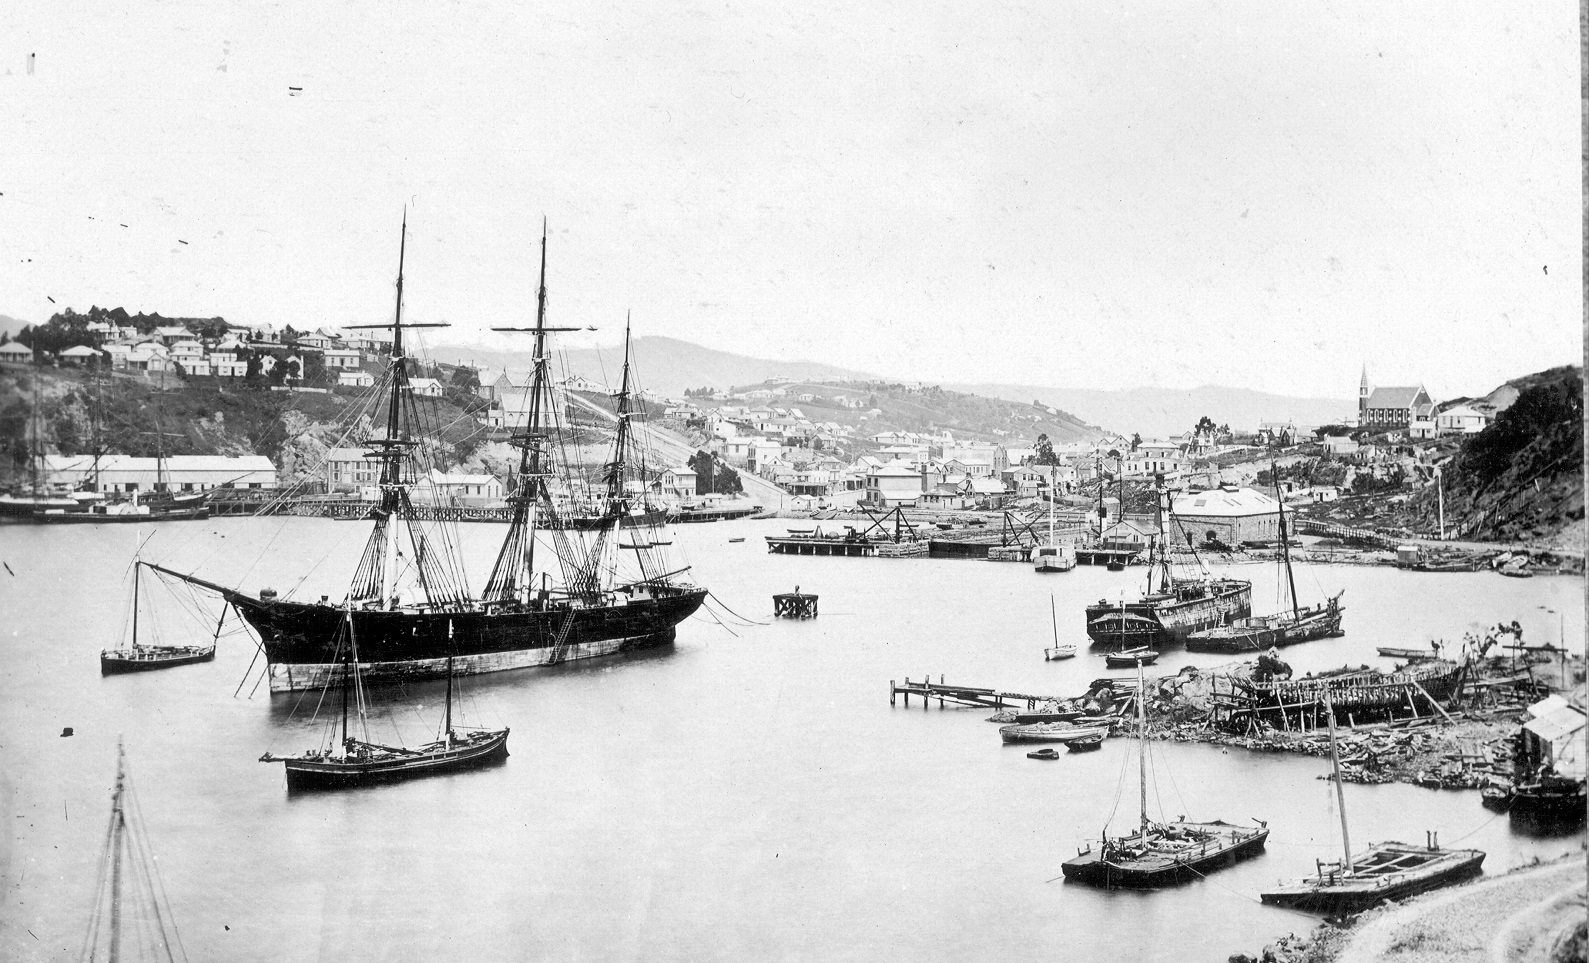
[376, 580]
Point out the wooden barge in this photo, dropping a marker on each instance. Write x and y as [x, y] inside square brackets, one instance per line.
[1385, 871]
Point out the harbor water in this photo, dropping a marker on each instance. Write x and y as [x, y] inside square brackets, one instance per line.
[746, 794]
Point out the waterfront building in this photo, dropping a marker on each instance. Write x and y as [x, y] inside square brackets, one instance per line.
[892, 485]
[463, 489]
[182, 473]
[1228, 515]
[348, 468]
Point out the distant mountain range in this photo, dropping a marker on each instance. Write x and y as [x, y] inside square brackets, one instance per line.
[1159, 412]
[11, 326]
[668, 366]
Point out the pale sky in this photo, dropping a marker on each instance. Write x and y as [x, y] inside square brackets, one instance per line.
[1256, 194]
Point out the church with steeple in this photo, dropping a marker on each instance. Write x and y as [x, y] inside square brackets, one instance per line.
[1390, 409]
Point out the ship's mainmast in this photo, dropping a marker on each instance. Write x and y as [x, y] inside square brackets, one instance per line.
[512, 574]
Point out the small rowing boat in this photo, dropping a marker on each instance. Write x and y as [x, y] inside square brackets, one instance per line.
[1050, 732]
[1127, 658]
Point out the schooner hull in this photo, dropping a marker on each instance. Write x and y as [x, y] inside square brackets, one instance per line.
[1169, 618]
[1322, 622]
[301, 640]
[334, 774]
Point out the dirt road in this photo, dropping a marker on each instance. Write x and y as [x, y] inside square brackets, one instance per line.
[1517, 918]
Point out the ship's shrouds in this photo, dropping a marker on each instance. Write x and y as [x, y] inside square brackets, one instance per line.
[408, 602]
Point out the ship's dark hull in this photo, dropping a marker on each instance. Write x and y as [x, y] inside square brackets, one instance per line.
[101, 517]
[590, 523]
[118, 662]
[1260, 635]
[1110, 870]
[1165, 618]
[344, 774]
[301, 639]
[1336, 896]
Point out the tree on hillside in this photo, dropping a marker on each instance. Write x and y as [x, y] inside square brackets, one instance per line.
[1539, 410]
[1045, 451]
[712, 476]
[1205, 424]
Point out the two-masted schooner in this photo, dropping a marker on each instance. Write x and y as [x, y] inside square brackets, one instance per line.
[409, 604]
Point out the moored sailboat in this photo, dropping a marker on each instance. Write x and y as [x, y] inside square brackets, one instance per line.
[351, 761]
[139, 657]
[1384, 871]
[409, 603]
[1293, 624]
[1161, 853]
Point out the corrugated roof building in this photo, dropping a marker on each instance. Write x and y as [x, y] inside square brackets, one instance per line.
[1227, 515]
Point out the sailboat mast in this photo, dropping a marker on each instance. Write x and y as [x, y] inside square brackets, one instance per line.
[620, 445]
[1285, 541]
[135, 567]
[1142, 745]
[449, 700]
[118, 830]
[1340, 794]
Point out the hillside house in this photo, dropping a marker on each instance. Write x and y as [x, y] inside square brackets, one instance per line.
[1155, 458]
[425, 387]
[353, 378]
[1461, 420]
[343, 358]
[78, 355]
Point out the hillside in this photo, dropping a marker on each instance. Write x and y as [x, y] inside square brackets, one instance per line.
[666, 366]
[900, 407]
[291, 428]
[1521, 479]
[1160, 412]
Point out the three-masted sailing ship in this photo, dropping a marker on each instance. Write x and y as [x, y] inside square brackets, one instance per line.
[522, 619]
[1162, 853]
[1174, 606]
[1293, 624]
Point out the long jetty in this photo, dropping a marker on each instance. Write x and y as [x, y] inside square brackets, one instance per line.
[962, 695]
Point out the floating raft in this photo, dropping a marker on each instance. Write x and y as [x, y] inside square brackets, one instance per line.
[794, 605]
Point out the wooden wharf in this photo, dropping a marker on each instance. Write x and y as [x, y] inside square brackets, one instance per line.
[1345, 533]
[962, 695]
[794, 605]
[1105, 556]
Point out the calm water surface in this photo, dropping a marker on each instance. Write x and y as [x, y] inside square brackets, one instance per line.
[746, 794]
